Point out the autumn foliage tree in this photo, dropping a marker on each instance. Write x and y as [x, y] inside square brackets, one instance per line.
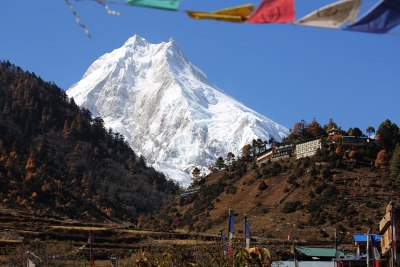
[381, 159]
[303, 131]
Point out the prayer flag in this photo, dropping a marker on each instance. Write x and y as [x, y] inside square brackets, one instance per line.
[231, 225]
[380, 19]
[224, 247]
[274, 11]
[231, 14]
[247, 233]
[374, 249]
[160, 4]
[333, 15]
[231, 231]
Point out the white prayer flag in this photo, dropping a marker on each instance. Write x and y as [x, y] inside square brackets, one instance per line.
[333, 15]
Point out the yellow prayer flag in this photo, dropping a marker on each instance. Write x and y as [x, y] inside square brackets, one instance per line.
[231, 14]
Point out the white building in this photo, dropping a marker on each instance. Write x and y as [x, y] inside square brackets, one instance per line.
[308, 149]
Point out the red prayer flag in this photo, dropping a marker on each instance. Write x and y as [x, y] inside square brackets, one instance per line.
[274, 11]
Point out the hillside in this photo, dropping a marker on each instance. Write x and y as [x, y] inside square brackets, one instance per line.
[56, 159]
[306, 199]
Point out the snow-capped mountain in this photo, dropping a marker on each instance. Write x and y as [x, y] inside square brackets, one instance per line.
[167, 109]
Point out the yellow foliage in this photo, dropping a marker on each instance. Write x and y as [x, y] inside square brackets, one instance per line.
[381, 159]
[29, 176]
[108, 211]
[34, 196]
[13, 154]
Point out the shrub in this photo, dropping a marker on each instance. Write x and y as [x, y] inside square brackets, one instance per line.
[231, 189]
[286, 190]
[330, 191]
[291, 206]
[262, 186]
[325, 173]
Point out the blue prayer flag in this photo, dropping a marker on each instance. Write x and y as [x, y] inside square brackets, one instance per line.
[247, 229]
[380, 19]
[231, 224]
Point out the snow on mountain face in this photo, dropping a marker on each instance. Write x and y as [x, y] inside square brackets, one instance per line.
[167, 109]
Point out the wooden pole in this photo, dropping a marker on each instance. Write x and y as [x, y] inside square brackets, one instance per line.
[368, 245]
[91, 249]
[394, 238]
[246, 235]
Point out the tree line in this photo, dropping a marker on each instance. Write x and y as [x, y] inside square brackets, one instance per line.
[56, 158]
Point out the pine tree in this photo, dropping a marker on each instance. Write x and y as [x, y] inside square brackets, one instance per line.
[196, 174]
[230, 158]
[220, 163]
[388, 135]
[370, 130]
[357, 132]
[314, 129]
[246, 151]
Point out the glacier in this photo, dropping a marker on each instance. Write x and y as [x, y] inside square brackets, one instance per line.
[167, 109]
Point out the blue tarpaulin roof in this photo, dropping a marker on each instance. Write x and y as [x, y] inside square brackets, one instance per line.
[363, 238]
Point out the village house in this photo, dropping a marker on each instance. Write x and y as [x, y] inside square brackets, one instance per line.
[282, 151]
[309, 148]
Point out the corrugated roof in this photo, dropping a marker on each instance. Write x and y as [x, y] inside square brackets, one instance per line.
[304, 264]
[318, 252]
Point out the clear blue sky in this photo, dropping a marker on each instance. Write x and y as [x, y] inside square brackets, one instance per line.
[284, 72]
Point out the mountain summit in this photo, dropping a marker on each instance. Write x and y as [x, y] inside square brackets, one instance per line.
[167, 109]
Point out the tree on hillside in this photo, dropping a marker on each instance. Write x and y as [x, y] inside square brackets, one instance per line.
[246, 151]
[394, 166]
[220, 163]
[230, 158]
[260, 146]
[303, 131]
[59, 157]
[370, 130]
[331, 124]
[350, 132]
[272, 141]
[381, 159]
[255, 145]
[264, 145]
[300, 129]
[315, 130]
[357, 132]
[354, 132]
[196, 174]
[388, 135]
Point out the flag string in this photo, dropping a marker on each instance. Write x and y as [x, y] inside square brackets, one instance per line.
[332, 16]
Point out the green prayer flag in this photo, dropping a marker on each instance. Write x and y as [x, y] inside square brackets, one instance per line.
[161, 4]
